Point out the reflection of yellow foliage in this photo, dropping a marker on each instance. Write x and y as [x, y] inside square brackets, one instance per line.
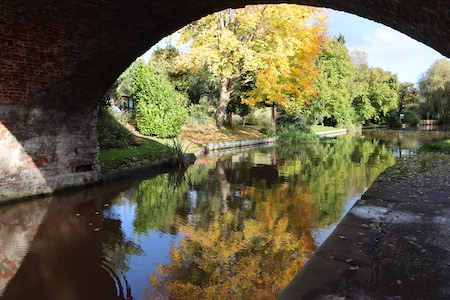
[296, 202]
[233, 259]
[255, 252]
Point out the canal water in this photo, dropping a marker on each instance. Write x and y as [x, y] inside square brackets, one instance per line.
[232, 226]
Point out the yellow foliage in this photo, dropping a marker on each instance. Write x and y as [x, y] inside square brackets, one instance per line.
[289, 71]
[229, 258]
[278, 43]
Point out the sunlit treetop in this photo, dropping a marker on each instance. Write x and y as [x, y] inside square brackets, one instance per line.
[274, 46]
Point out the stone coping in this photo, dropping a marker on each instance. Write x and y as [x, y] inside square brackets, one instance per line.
[332, 133]
[241, 143]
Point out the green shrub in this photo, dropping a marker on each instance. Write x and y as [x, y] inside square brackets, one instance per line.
[392, 120]
[259, 117]
[300, 121]
[160, 109]
[268, 131]
[290, 134]
[112, 133]
[412, 118]
[199, 114]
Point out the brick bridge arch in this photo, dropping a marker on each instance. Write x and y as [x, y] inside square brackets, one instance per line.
[59, 57]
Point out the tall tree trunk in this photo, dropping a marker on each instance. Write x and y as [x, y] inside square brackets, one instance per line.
[224, 99]
[274, 117]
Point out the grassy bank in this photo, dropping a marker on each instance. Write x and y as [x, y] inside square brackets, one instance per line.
[191, 138]
[156, 150]
[151, 150]
[442, 146]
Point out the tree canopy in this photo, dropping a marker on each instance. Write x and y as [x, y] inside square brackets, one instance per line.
[333, 98]
[434, 87]
[374, 93]
[408, 97]
[275, 46]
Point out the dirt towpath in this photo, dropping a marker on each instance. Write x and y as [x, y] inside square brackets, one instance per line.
[393, 244]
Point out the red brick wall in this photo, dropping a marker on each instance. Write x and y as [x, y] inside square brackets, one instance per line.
[42, 150]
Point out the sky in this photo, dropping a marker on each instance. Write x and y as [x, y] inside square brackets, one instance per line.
[386, 48]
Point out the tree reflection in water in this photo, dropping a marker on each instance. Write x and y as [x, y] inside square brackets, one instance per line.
[246, 231]
[241, 226]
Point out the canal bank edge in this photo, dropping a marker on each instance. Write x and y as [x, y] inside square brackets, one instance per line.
[332, 133]
[149, 169]
[394, 243]
[165, 165]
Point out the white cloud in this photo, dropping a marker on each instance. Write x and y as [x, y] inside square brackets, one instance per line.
[396, 52]
[386, 40]
[386, 48]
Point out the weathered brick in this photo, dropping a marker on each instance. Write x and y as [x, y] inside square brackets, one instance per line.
[46, 147]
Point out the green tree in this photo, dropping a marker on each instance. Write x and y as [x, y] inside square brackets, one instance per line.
[160, 110]
[359, 88]
[375, 93]
[434, 87]
[260, 40]
[408, 97]
[383, 92]
[333, 100]
[196, 84]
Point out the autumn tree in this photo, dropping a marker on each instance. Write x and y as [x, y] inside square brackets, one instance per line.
[277, 43]
[434, 87]
[288, 72]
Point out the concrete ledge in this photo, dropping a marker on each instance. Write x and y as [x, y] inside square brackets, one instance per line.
[41, 186]
[332, 133]
[238, 144]
[375, 127]
[153, 168]
[163, 166]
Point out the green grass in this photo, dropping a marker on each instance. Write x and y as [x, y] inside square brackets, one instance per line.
[320, 128]
[152, 150]
[442, 146]
[290, 135]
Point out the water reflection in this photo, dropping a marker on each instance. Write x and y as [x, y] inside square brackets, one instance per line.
[235, 226]
[64, 259]
[252, 217]
[406, 142]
